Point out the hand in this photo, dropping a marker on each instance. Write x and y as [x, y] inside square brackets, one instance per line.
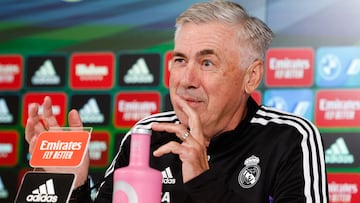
[192, 151]
[38, 123]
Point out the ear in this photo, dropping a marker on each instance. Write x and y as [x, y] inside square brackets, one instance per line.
[253, 77]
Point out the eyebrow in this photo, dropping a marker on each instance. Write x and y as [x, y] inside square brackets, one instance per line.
[206, 52]
[178, 54]
[200, 53]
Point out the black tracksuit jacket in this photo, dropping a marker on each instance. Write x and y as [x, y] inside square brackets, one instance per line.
[271, 156]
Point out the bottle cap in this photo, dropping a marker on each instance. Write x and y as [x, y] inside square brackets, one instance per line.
[141, 131]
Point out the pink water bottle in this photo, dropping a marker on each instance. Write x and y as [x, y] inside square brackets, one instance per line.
[137, 182]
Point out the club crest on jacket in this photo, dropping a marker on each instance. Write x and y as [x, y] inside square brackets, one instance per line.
[250, 174]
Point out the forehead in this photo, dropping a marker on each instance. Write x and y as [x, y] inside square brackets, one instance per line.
[207, 36]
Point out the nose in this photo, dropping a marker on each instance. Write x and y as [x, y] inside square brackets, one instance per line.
[190, 76]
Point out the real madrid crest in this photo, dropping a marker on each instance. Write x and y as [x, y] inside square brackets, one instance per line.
[250, 174]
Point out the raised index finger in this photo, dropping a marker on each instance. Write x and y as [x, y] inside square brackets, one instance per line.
[193, 121]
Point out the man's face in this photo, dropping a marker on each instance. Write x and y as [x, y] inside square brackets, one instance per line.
[206, 73]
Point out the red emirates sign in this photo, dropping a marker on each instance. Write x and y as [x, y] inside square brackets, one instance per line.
[337, 108]
[60, 148]
[168, 57]
[289, 67]
[8, 148]
[344, 187]
[132, 107]
[11, 68]
[92, 70]
[59, 101]
[99, 149]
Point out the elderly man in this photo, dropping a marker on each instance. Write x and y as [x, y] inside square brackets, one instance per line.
[219, 145]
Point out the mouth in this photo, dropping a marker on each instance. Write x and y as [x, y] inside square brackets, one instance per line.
[190, 97]
[191, 100]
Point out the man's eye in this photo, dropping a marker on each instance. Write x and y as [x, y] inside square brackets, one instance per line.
[179, 60]
[207, 63]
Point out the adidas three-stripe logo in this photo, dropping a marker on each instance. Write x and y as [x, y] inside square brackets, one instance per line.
[338, 153]
[139, 73]
[44, 193]
[168, 178]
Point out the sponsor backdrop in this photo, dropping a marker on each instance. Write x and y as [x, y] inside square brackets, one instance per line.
[108, 59]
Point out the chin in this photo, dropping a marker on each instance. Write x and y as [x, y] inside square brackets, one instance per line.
[182, 117]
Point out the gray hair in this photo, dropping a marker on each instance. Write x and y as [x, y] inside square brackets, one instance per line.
[251, 30]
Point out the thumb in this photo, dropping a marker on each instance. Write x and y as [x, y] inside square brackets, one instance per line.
[74, 119]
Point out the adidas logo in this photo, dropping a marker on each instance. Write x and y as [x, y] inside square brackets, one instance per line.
[5, 116]
[46, 75]
[90, 112]
[168, 178]
[45, 193]
[4, 194]
[338, 153]
[139, 73]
